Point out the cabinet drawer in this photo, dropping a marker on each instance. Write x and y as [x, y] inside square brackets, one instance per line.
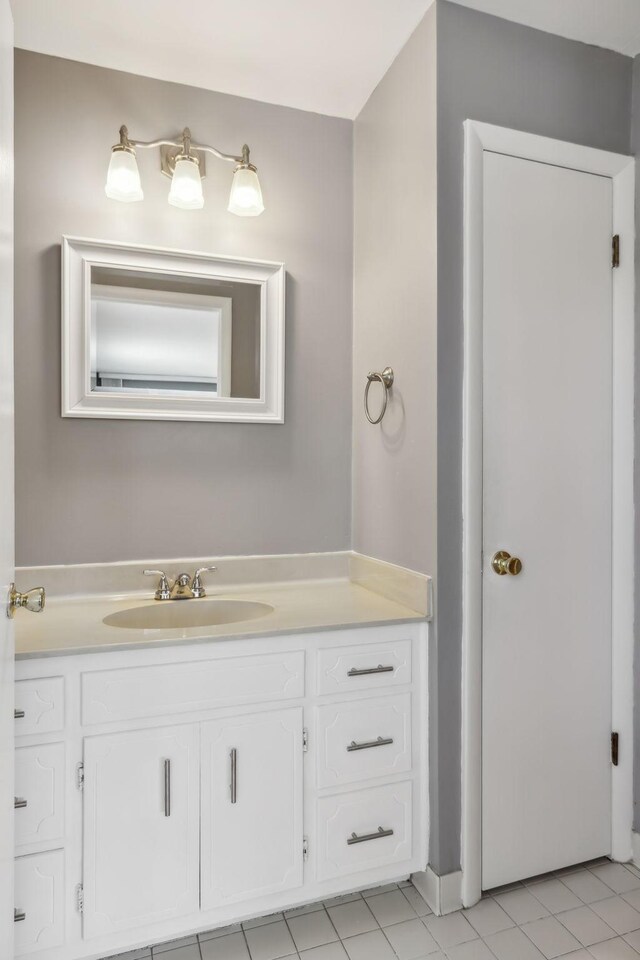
[39, 705]
[172, 688]
[364, 739]
[40, 784]
[39, 895]
[349, 836]
[366, 667]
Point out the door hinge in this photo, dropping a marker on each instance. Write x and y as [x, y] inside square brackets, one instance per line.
[615, 251]
[615, 746]
[305, 848]
[305, 740]
[80, 898]
[80, 776]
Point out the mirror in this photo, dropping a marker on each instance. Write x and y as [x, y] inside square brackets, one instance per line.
[160, 334]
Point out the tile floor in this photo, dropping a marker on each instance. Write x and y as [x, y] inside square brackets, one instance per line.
[586, 912]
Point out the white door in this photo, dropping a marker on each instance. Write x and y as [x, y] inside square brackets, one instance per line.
[251, 806]
[547, 466]
[141, 829]
[6, 477]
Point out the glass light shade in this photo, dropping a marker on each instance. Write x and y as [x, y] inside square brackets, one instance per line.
[123, 177]
[186, 185]
[245, 199]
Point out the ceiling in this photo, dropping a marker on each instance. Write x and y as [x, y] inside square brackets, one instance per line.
[320, 55]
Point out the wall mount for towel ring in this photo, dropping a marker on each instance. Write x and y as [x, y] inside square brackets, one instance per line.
[386, 379]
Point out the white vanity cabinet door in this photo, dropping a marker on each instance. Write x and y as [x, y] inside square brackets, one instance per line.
[141, 828]
[251, 806]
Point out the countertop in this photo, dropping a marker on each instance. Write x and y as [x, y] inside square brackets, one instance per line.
[74, 625]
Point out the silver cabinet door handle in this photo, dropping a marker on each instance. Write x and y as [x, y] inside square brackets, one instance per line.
[355, 672]
[233, 785]
[368, 744]
[19, 803]
[19, 915]
[167, 788]
[18, 714]
[380, 832]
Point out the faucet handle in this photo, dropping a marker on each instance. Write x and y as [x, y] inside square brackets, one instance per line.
[197, 587]
[164, 591]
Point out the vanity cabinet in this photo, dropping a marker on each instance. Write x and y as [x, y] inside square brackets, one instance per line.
[141, 828]
[181, 788]
[252, 839]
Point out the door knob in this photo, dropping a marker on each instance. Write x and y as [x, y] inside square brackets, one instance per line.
[503, 563]
[32, 600]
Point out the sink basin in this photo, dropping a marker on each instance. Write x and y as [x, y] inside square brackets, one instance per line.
[172, 614]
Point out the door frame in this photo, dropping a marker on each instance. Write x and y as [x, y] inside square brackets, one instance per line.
[478, 139]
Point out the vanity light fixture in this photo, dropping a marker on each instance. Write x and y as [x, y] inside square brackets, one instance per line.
[184, 162]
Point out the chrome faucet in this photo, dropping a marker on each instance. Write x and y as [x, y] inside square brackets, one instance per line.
[183, 587]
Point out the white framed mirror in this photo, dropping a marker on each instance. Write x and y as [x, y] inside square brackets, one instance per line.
[155, 334]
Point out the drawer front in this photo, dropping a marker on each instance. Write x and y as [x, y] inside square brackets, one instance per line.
[39, 895]
[39, 706]
[367, 667]
[174, 688]
[364, 739]
[358, 817]
[40, 785]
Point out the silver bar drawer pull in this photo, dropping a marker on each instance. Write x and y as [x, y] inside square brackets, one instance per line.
[368, 744]
[167, 788]
[18, 714]
[380, 832]
[355, 672]
[233, 786]
[19, 915]
[19, 803]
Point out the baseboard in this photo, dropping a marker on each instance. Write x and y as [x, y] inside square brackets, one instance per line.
[443, 893]
[635, 847]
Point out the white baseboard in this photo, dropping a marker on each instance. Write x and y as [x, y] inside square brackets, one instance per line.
[443, 894]
[635, 846]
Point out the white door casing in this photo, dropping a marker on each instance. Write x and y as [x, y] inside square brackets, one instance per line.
[614, 172]
[7, 561]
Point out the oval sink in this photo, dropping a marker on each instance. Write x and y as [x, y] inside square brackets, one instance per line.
[172, 614]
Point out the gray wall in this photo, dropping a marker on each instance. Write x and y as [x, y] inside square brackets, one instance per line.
[635, 149]
[395, 309]
[499, 72]
[90, 490]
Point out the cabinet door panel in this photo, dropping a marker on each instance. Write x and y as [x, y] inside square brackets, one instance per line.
[251, 830]
[141, 828]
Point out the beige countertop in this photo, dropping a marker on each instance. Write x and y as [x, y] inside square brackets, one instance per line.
[75, 625]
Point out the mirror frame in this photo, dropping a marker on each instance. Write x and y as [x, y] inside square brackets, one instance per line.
[79, 255]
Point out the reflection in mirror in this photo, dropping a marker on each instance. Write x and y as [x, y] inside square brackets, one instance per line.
[153, 335]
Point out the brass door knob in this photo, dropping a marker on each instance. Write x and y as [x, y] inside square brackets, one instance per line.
[503, 563]
[32, 600]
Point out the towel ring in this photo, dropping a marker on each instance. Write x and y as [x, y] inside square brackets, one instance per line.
[386, 379]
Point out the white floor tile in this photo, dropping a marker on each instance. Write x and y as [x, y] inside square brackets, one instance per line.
[143, 954]
[189, 952]
[586, 926]
[353, 918]
[344, 898]
[476, 950]
[300, 911]
[174, 944]
[633, 939]
[410, 940]
[522, 906]
[418, 903]
[260, 921]
[330, 951]
[220, 932]
[513, 945]
[619, 914]
[270, 941]
[586, 886]
[369, 946]
[312, 930]
[613, 950]
[450, 930]
[616, 876]
[488, 917]
[231, 947]
[376, 891]
[392, 907]
[555, 896]
[550, 937]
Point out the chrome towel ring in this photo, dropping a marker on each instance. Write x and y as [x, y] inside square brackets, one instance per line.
[386, 379]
